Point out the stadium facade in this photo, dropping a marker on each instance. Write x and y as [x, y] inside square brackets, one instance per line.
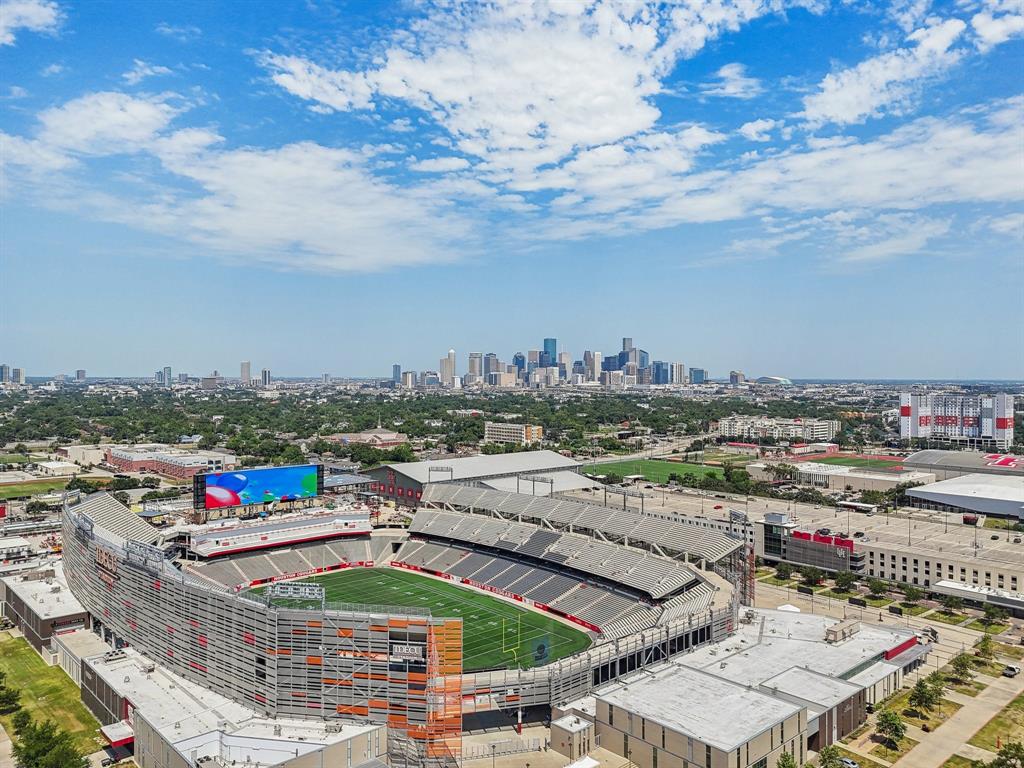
[650, 600]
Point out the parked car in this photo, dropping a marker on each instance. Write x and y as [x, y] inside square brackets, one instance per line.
[1011, 670]
[848, 763]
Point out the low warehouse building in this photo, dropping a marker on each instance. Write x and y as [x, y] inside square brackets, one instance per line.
[984, 494]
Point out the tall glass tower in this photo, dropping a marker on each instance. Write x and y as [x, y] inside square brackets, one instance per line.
[550, 354]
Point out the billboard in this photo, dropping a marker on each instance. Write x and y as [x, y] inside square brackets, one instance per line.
[243, 487]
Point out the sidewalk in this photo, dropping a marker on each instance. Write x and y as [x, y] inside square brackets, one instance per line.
[950, 737]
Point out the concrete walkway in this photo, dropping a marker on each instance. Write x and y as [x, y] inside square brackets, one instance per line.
[950, 737]
[6, 756]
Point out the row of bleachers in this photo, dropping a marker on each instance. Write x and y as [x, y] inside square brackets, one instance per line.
[679, 535]
[637, 569]
[266, 564]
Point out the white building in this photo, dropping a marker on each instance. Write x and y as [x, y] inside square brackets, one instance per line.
[446, 369]
[678, 373]
[754, 427]
[967, 420]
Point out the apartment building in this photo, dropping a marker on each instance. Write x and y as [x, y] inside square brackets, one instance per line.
[756, 427]
[520, 434]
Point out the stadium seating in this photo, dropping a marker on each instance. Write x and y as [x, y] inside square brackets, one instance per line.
[647, 530]
[637, 569]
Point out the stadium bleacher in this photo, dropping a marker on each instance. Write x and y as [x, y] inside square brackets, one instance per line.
[637, 569]
[639, 529]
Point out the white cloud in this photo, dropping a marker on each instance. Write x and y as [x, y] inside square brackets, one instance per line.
[1011, 224]
[33, 156]
[401, 125]
[734, 83]
[51, 69]
[16, 92]
[997, 22]
[105, 122]
[896, 236]
[31, 15]
[183, 33]
[141, 70]
[440, 164]
[524, 86]
[909, 14]
[887, 82]
[759, 130]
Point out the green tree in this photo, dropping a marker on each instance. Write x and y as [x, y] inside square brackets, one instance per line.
[21, 720]
[937, 682]
[845, 581]
[890, 726]
[123, 497]
[986, 647]
[783, 571]
[993, 615]
[1010, 756]
[963, 667]
[878, 587]
[9, 699]
[912, 594]
[830, 757]
[922, 696]
[44, 745]
[952, 603]
[811, 575]
[786, 760]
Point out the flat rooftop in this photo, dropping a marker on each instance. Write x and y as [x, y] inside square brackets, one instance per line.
[82, 643]
[777, 641]
[196, 719]
[49, 597]
[677, 697]
[470, 467]
[821, 691]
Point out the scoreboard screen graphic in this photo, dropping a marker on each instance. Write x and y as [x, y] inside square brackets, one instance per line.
[245, 487]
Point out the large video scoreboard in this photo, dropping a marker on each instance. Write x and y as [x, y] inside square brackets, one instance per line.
[244, 487]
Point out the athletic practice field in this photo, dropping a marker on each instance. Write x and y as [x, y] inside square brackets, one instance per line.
[495, 633]
[654, 470]
[864, 462]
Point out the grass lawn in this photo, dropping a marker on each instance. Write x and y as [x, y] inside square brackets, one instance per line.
[967, 688]
[877, 602]
[932, 718]
[856, 461]
[996, 523]
[14, 458]
[1008, 725]
[777, 582]
[991, 668]
[1010, 651]
[489, 625]
[886, 752]
[862, 761]
[947, 618]
[17, 490]
[46, 692]
[913, 609]
[993, 629]
[958, 762]
[654, 470]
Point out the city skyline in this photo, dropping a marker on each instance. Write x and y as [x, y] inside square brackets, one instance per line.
[764, 186]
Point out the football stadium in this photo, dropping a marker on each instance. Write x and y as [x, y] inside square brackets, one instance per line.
[488, 602]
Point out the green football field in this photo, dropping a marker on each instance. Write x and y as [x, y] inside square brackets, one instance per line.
[495, 633]
[864, 463]
[654, 470]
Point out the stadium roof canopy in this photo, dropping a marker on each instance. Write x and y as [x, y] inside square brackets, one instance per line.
[472, 467]
[542, 483]
[113, 516]
[967, 461]
[986, 494]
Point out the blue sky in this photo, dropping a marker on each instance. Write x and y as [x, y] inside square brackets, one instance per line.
[807, 189]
